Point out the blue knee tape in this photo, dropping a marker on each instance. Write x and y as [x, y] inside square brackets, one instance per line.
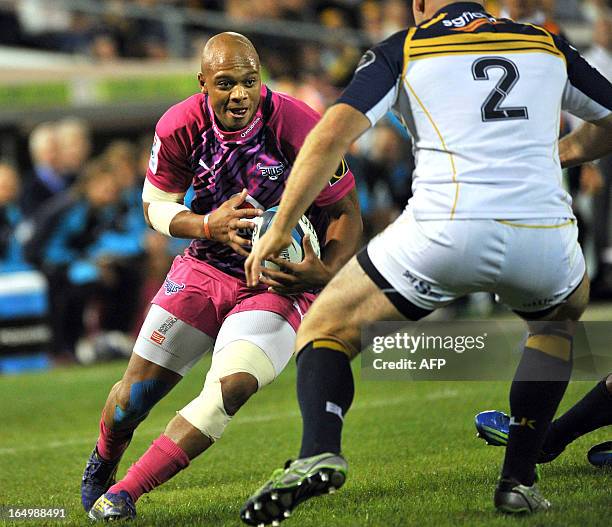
[144, 395]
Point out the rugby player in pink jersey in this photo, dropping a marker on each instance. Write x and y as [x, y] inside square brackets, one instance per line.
[235, 141]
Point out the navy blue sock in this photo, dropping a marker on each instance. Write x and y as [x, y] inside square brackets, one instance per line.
[593, 411]
[537, 389]
[325, 392]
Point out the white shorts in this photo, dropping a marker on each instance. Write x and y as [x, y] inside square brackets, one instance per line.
[532, 265]
[173, 344]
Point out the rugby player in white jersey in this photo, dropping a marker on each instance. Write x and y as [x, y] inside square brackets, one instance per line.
[481, 98]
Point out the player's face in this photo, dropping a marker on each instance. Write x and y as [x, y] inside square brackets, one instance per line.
[234, 89]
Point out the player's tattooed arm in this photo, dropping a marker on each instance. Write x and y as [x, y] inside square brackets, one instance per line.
[588, 142]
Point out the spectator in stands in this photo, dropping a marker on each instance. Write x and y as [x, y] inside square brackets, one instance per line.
[129, 221]
[11, 253]
[396, 16]
[104, 47]
[596, 179]
[63, 237]
[46, 178]
[74, 147]
[120, 249]
[42, 22]
[302, 10]
[159, 250]
[531, 12]
[10, 29]
[600, 54]
[385, 168]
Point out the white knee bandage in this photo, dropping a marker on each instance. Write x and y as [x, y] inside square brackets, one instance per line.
[207, 411]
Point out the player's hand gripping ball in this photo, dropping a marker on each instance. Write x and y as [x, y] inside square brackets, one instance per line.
[295, 251]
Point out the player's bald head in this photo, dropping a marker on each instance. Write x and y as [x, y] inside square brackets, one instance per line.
[227, 50]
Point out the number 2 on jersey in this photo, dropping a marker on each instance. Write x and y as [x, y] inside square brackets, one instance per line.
[491, 109]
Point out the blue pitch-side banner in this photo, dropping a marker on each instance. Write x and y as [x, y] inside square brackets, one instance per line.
[23, 305]
[21, 363]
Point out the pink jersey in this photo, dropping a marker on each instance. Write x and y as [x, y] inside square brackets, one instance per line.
[189, 148]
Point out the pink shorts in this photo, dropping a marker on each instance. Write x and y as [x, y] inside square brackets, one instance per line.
[202, 296]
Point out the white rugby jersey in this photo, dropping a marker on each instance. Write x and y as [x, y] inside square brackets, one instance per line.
[482, 99]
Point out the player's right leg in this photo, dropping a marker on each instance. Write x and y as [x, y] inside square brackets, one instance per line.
[328, 339]
[165, 350]
[551, 299]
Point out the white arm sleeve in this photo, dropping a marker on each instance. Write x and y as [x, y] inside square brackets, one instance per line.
[163, 206]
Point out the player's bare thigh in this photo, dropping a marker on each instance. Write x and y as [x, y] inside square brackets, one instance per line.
[350, 300]
[140, 369]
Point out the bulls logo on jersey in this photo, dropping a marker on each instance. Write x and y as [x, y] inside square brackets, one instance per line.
[273, 172]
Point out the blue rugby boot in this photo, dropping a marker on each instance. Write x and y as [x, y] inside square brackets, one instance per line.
[493, 426]
[601, 455]
[98, 477]
[112, 507]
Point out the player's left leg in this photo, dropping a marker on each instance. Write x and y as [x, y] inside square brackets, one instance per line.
[592, 412]
[328, 339]
[537, 389]
[252, 348]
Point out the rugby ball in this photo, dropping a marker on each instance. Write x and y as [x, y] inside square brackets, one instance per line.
[295, 251]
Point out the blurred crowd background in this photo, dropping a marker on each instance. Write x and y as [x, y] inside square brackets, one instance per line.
[77, 263]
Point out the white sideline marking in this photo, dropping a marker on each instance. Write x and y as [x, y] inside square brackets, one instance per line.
[433, 396]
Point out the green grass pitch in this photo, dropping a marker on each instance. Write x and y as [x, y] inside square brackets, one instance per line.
[413, 456]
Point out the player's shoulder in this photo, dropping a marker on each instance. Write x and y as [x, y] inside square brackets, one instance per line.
[390, 50]
[184, 116]
[465, 28]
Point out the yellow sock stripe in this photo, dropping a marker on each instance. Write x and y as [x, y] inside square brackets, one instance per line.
[330, 344]
[433, 21]
[553, 345]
